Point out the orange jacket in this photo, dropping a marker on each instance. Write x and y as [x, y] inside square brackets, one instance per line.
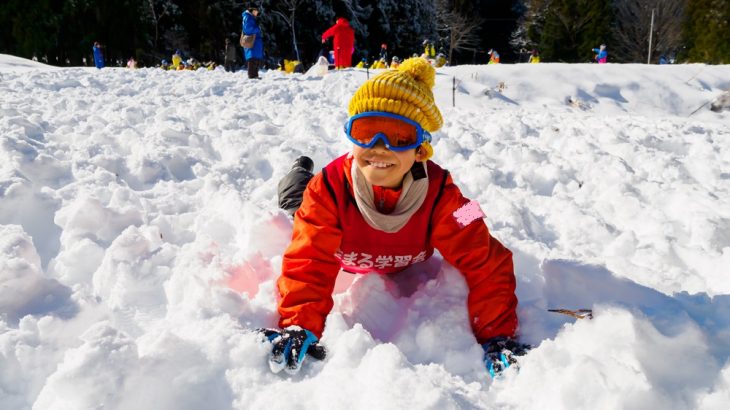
[309, 266]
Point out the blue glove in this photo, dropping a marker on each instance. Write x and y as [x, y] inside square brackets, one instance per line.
[290, 347]
[500, 352]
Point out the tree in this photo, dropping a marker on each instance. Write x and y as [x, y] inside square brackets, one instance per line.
[632, 24]
[573, 27]
[530, 24]
[402, 24]
[159, 9]
[458, 28]
[707, 31]
[289, 15]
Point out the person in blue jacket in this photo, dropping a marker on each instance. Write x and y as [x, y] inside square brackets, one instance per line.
[254, 55]
[98, 55]
[601, 56]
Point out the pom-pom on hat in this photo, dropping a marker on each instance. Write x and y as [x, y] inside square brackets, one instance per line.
[406, 91]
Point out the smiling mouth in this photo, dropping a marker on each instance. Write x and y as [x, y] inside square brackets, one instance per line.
[379, 165]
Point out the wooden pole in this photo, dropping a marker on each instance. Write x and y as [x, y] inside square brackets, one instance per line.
[453, 92]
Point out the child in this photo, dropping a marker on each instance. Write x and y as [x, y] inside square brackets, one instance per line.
[429, 51]
[177, 59]
[98, 55]
[493, 56]
[343, 44]
[384, 207]
[601, 56]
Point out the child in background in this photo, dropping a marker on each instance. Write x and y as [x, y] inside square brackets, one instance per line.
[383, 52]
[385, 207]
[177, 59]
[379, 64]
[98, 55]
[429, 51]
[493, 56]
[601, 56]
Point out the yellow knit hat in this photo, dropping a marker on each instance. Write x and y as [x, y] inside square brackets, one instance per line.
[404, 91]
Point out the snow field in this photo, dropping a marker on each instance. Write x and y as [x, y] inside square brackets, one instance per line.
[140, 240]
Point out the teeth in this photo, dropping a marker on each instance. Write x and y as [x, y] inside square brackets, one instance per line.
[379, 164]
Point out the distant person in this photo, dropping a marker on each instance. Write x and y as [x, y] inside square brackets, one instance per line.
[663, 60]
[98, 55]
[383, 52]
[394, 62]
[534, 57]
[440, 60]
[132, 63]
[343, 44]
[177, 59]
[429, 51]
[601, 54]
[378, 64]
[493, 56]
[229, 56]
[254, 54]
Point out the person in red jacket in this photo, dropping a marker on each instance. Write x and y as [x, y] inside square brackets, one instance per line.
[385, 207]
[343, 43]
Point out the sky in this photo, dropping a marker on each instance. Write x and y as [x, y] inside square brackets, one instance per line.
[140, 240]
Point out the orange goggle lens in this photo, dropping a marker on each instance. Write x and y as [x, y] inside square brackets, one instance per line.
[398, 132]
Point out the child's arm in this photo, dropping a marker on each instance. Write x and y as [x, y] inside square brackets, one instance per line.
[485, 263]
[329, 32]
[309, 267]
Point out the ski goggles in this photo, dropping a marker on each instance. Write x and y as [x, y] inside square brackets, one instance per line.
[397, 132]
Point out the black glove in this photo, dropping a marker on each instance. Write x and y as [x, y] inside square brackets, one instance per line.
[500, 352]
[290, 347]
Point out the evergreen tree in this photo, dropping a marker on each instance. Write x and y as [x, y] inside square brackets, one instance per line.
[633, 23]
[707, 31]
[573, 27]
[528, 33]
[29, 28]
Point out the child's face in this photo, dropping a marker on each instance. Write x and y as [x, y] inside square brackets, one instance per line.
[384, 167]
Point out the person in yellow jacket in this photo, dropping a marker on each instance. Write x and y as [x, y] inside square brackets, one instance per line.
[290, 66]
[440, 60]
[378, 64]
[429, 51]
[362, 64]
[176, 58]
[534, 57]
[394, 62]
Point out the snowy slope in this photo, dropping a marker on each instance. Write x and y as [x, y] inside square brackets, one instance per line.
[140, 239]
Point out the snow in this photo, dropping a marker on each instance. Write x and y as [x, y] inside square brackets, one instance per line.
[140, 240]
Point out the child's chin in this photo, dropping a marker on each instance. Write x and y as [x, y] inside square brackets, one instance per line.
[380, 177]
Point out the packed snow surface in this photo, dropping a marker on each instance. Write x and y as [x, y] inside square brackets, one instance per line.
[140, 240]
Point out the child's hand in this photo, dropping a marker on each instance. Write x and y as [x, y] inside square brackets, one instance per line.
[500, 352]
[290, 347]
